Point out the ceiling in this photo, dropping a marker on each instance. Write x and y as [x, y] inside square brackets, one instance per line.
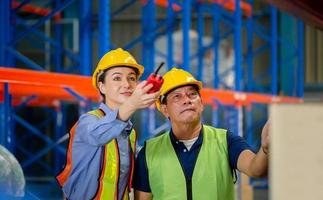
[311, 11]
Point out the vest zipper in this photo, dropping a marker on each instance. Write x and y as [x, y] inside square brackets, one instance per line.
[188, 182]
[189, 188]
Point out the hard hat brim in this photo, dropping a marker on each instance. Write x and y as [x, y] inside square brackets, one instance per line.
[140, 69]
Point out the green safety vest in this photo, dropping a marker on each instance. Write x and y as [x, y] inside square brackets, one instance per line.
[212, 176]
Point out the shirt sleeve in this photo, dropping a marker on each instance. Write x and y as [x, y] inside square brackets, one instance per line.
[140, 178]
[99, 131]
[236, 145]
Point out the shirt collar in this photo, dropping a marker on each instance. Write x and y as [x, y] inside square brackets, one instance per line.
[175, 141]
[106, 109]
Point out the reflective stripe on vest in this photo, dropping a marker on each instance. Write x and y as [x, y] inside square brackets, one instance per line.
[109, 176]
[62, 176]
[211, 179]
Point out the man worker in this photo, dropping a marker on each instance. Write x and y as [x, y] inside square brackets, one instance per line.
[193, 161]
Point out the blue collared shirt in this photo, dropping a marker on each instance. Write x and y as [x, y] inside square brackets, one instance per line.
[91, 134]
[186, 157]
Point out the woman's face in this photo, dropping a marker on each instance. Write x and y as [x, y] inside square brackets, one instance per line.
[119, 84]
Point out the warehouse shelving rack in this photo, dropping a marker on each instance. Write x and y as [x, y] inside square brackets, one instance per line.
[241, 22]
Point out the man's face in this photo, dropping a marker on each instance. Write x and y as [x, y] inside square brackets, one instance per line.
[183, 105]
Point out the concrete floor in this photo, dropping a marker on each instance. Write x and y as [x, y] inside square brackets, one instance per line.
[51, 191]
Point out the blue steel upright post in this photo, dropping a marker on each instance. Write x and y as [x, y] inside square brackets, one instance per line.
[300, 56]
[85, 44]
[59, 40]
[4, 40]
[104, 27]
[186, 23]
[249, 27]
[85, 37]
[287, 53]
[215, 41]
[148, 61]
[273, 52]
[5, 33]
[200, 50]
[6, 134]
[170, 40]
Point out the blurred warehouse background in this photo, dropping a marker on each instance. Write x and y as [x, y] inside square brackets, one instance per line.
[248, 56]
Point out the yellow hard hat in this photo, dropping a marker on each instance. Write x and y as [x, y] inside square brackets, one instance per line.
[113, 58]
[176, 78]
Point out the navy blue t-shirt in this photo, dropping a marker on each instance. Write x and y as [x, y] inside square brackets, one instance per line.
[187, 158]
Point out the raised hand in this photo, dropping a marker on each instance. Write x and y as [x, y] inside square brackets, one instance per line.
[138, 100]
[265, 139]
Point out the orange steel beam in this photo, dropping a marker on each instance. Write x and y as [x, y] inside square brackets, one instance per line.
[35, 9]
[227, 4]
[41, 78]
[46, 94]
[19, 90]
[164, 3]
[230, 5]
[211, 96]
[48, 87]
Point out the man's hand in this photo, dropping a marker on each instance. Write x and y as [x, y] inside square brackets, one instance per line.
[256, 165]
[265, 139]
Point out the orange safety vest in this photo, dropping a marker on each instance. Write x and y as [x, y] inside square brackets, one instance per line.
[109, 176]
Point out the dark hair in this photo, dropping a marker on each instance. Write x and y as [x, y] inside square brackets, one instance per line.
[101, 77]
